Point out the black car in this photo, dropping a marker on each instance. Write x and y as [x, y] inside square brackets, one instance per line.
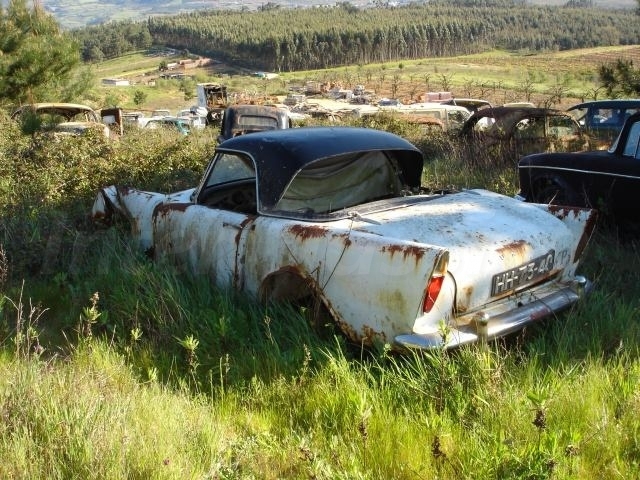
[605, 179]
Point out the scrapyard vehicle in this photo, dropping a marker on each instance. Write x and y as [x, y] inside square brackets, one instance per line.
[61, 118]
[501, 135]
[606, 179]
[243, 119]
[213, 99]
[169, 124]
[335, 214]
[603, 119]
[449, 118]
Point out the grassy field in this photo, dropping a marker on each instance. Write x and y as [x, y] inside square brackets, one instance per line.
[112, 366]
[562, 78]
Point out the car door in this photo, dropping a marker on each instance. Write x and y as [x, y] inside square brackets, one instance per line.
[626, 168]
[204, 235]
[200, 240]
[612, 180]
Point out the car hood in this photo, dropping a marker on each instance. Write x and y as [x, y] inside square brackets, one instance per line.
[487, 234]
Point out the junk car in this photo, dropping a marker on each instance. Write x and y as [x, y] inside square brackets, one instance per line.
[603, 119]
[62, 118]
[243, 119]
[504, 134]
[606, 179]
[175, 124]
[337, 215]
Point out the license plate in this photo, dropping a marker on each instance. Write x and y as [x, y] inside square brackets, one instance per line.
[522, 275]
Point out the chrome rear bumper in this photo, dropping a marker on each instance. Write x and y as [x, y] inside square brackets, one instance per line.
[485, 326]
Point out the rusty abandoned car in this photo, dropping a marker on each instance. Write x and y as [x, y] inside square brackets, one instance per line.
[61, 118]
[337, 214]
[608, 180]
[504, 134]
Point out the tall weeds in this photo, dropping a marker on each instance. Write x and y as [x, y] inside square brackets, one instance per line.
[113, 366]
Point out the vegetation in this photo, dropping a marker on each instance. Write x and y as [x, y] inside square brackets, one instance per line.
[284, 40]
[620, 79]
[37, 59]
[117, 367]
[113, 366]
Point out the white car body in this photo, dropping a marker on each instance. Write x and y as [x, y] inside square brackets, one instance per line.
[421, 270]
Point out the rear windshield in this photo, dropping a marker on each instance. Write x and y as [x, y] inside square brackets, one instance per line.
[341, 182]
[249, 121]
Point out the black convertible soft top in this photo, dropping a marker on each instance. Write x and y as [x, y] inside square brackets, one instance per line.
[279, 154]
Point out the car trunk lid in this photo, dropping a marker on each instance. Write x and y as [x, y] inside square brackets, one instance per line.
[496, 245]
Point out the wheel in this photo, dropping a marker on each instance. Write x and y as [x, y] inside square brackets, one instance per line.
[556, 192]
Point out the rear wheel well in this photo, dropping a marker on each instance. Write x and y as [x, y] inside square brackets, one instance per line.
[553, 189]
[290, 285]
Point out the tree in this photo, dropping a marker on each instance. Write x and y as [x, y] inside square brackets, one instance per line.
[620, 79]
[139, 97]
[37, 59]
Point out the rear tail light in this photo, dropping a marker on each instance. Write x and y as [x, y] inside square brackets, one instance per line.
[433, 290]
[435, 282]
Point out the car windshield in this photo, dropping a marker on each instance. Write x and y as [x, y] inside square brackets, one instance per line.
[54, 116]
[230, 168]
[342, 182]
[562, 126]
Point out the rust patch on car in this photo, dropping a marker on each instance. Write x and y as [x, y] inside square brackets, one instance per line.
[406, 250]
[563, 212]
[243, 224]
[590, 225]
[463, 303]
[514, 249]
[293, 287]
[347, 330]
[163, 208]
[305, 232]
[369, 336]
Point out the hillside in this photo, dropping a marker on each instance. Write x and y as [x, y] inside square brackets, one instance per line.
[80, 13]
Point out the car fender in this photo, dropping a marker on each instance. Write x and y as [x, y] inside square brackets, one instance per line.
[373, 286]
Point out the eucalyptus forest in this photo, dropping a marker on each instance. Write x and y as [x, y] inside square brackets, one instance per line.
[279, 39]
